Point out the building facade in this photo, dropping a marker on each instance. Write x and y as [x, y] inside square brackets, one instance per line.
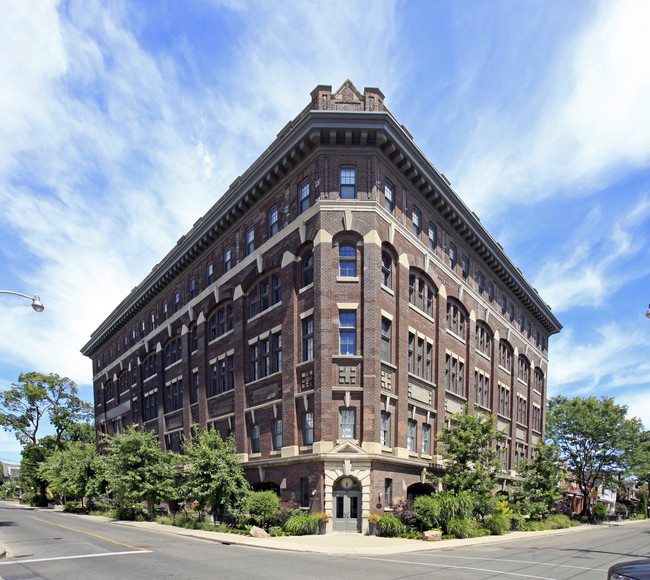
[329, 312]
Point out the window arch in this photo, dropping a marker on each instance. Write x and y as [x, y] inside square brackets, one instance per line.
[386, 268]
[538, 380]
[422, 293]
[483, 339]
[456, 318]
[523, 369]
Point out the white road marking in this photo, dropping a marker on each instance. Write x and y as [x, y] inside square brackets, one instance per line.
[9, 562]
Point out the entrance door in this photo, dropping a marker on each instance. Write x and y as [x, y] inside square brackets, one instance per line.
[347, 511]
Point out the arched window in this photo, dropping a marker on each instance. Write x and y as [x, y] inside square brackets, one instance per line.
[386, 269]
[505, 356]
[483, 339]
[347, 261]
[523, 369]
[421, 293]
[456, 318]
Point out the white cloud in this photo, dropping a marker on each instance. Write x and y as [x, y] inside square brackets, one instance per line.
[593, 123]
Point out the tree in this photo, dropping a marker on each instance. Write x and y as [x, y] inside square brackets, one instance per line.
[596, 439]
[37, 397]
[471, 459]
[215, 478]
[539, 489]
[138, 470]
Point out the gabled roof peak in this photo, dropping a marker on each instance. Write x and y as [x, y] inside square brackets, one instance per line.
[347, 98]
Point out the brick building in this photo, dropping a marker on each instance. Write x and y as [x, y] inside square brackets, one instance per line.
[330, 311]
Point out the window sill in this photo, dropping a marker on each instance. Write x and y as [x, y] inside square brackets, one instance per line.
[263, 312]
[305, 288]
[482, 354]
[348, 278]
[218, 338]
[388, 290]
[456, 336]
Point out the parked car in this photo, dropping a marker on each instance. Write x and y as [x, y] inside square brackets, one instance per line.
[634, 570]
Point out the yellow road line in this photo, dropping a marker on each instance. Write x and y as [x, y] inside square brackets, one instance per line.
[95, 535]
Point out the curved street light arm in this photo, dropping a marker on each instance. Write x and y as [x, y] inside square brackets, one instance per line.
[36, 299]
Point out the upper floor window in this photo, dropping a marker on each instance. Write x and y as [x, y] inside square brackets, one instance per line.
[308, 339]
[389, 197]
[209, 274]
[177, 301]
[483, 339]
[173, 352]
[385, 339]
[347, 261]
[250, 240]
[426, 439]
[523, 370]
[433, 237]
[417, 221]
[347, 423]
[455, 318]
[481, 389]
[454, 374]
[503, 304]
[174, 396]
[165, 311]
[481, 283]
[412, 436]
[255, 438]
[152, 324]
[421, 293]
[538, 381]
[276, 434]
[274, 222]
[348, 332]
[149, 367]
[505, 356]
[386, 269]
[307, 270]
[465, 267]
[384, 429]
[491, 292]
[227, 260]
[348, 184]
[452, 256]
[260, 297]
[192, 288]
[303, 197]
[308, 428]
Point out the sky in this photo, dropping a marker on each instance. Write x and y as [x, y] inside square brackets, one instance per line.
[123, 122]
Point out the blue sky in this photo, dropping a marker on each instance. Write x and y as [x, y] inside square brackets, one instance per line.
[121, 123]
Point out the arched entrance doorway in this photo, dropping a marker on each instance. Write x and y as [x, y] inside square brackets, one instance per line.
[346, 498]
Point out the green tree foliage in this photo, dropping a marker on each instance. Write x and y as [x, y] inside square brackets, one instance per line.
[36, 398]
[263, 506]
[32, 482]
[469, 452]
[642, 459]
[138, 470]
[214, 477]
[539, 489]
[643, 505]
[596, 439]
[75, 471]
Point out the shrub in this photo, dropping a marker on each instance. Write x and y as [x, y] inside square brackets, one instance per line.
[427, 510]
[263, 506]
[557, 522]
[303, 524]
[643, 505]
[389, 525]
[456, 505]
[497, 524]
[164, 520]
[517, 522]
[275, 531]
[600, 510]
[462, 528]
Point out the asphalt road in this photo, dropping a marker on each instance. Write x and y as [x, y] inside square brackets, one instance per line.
[45, 544]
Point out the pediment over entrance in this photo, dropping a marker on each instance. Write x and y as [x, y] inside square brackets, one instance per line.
[347, 447]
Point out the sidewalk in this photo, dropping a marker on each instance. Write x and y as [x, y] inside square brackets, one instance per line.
[337, 543]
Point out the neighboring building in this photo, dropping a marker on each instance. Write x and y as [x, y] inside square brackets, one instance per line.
[330, 311]
[10, 471]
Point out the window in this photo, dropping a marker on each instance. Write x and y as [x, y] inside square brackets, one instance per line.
[416, 217]
[165, 312]
[255, 438]
[227, 260]
[260, 297]
[522, 410]
[143, 330]
[411, 353]
[452, 256]
[347, 261]
[537, 418]
[433, 237]
[481, 283]
[192, 288]
[412, 436]
[265, 358]
[304, 492]
[511, 312]
[386, 269]
[195, 339]
[307, 270]
[388, 492]
[426, 439]
[253, 370]
[348, 332]
[174, 396]
[149, 367]
[276, 431]
[455, 319]
[384, 429]
[110, 390]
[273, 221]
[308, 428]
[483, 339]
[538, 381]
[173, 352]
[503, 304]
[303, 198]
[421, 293]
[491, 292]
[152, 325]
[420, 361]
[389, 197]
[347, 423]
[505, 356]
[385, 339]
[465, 267]
[308, 339]
[454, 375]
[177, 301]
[209, 274]
[250, 241]
[150, 406]
[429, 362]
[523, 370]
[504, 400]
[481, 389]
[348, 183]
[194, 393]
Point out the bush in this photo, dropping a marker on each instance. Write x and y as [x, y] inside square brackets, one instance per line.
[263, 506]
[427, 510]
[462, 528]
[403, 510]
[497, 524]
[275, 531]
[557, 522]
[456, 505]
[304, 524]
[600, 510]
[126, 512]
[389, 525]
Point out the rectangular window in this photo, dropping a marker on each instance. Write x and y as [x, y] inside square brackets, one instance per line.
[276, 282]
[264, 295]
[304, 492]
[308, 339]
[386, 269]
[411, 353]
[308, 428]
[481, 283]
[412, 436]
[177, 301]
[209, 275]
[303, 201]
[165, 312]
[385, 339]
[384, 430]
[389, 197]
[452, 256]
[347, 423]
[433, 237]
[347, 261]
[227, 260]
[348, 184]
[276, 428]
[491, 292]
[428, 376]
[250, 241]
[253, 363]
[465, 267]
[348, 332]
[274, 222]
[152, 326]
[255, 438]
[417, 221]
[194, 393]
[388, 492]
[192, 288]
[307, 270]
[253, 303]
[277, 353]
[222, 375]
[426, 439]
[265, 354]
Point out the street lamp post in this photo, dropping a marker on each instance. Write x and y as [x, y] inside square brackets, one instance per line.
[36, 299]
